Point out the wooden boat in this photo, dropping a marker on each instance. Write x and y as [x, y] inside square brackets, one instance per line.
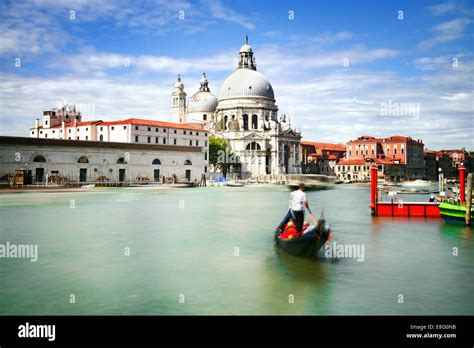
[454, 213]
[310, 187]
[308, 244]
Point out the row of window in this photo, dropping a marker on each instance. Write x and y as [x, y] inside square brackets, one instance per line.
[196, 142]
[373, 152]
[136, 128]
[355, 168]
[120, 160]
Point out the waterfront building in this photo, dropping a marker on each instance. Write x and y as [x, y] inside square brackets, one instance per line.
[245, 113]
[359, 169]
[431, 169]
[321, 158]
[402, 157]
[68, 161]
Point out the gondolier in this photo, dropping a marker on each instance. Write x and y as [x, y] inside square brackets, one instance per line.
[296, 211]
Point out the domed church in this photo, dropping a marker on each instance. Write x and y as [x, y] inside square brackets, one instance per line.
[246, 115]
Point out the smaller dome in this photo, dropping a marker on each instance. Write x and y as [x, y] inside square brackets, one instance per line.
[245, 48]
[202, 101]
[178, 83]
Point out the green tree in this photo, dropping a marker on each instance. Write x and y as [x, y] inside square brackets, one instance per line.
[216, 147]
[220, 155]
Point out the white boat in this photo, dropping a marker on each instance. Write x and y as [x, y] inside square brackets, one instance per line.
[417, 183]
[234, 184]
[88, 186]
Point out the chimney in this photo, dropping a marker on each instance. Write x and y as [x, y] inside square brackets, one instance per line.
[37, 123]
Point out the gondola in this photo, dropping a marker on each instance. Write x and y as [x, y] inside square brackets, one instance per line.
[308, 244]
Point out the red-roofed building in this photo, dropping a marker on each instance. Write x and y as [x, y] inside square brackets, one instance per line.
[320, 158]
[359, 169]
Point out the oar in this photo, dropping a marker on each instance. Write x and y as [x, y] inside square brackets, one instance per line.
[312, 216]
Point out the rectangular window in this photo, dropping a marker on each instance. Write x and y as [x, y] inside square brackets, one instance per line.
[190, 133]
[164, 130]
[149, 140]
[69, 131]
[190, 143]
[149, 128]
[205, 156]
[156, 140]
[204, 117]
[68, 138]
[136, 138]
[205, 169]
[78, 129]
[395, 151]
[184, 132]
[175, 131]
[54, 131]
[197, 143]
[87, 137]
[156, 129]
[46, 135]
[174, 141]
[87, 129]
[164, 140]
[124, 127]
[402, 150]
[205, 134]
[205, 143]
[113, 127]
[101, 128]
[136, 127]
[46, 122]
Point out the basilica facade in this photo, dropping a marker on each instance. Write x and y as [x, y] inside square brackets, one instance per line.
[245, 113]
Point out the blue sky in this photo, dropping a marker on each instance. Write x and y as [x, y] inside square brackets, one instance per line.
[332, 65]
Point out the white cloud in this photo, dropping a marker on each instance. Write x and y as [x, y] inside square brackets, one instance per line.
[447, 31]
[443, 8]
[218, 10]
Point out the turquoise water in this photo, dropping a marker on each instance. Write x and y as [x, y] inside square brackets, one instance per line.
[183, 247]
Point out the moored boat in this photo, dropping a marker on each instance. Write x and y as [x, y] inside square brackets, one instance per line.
[308, 244]
[454, 213]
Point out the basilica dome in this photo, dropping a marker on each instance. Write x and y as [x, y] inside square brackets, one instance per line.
[203, 100]
[246, 83]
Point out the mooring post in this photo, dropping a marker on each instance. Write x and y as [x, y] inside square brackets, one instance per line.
[462, 187]
[373, 189]
[469, 199]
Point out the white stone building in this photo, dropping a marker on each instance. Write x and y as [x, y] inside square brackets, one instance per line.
[245, 114]
[56, 160]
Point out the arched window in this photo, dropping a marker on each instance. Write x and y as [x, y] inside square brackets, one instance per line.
[246, 122]
[101, 138]
[39, 158]
[83, 159]
[121, 160]
[188, 163]
[253, 146]
[226, 118]
[254, 121]
[156, 161]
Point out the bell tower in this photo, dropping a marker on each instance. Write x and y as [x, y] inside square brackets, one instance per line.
[178, 102]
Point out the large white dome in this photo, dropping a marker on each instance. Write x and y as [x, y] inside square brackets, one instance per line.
[246, 83]
[202, 101]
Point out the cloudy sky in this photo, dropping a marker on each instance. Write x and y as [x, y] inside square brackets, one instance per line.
[339, 69]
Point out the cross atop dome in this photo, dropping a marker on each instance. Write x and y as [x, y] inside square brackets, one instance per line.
[246, 59]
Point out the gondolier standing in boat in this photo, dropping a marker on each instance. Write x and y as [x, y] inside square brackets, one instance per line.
[296, 211]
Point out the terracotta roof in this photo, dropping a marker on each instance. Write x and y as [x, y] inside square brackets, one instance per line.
[142, 122]
[332, 157]
[325, 146]
[366, 139]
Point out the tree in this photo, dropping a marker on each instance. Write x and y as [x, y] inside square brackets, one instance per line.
[216, 147]
[220, 155]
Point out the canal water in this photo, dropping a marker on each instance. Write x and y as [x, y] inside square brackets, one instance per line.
[210, 251]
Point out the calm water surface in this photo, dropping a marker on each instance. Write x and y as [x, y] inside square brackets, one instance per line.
[183, 242]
